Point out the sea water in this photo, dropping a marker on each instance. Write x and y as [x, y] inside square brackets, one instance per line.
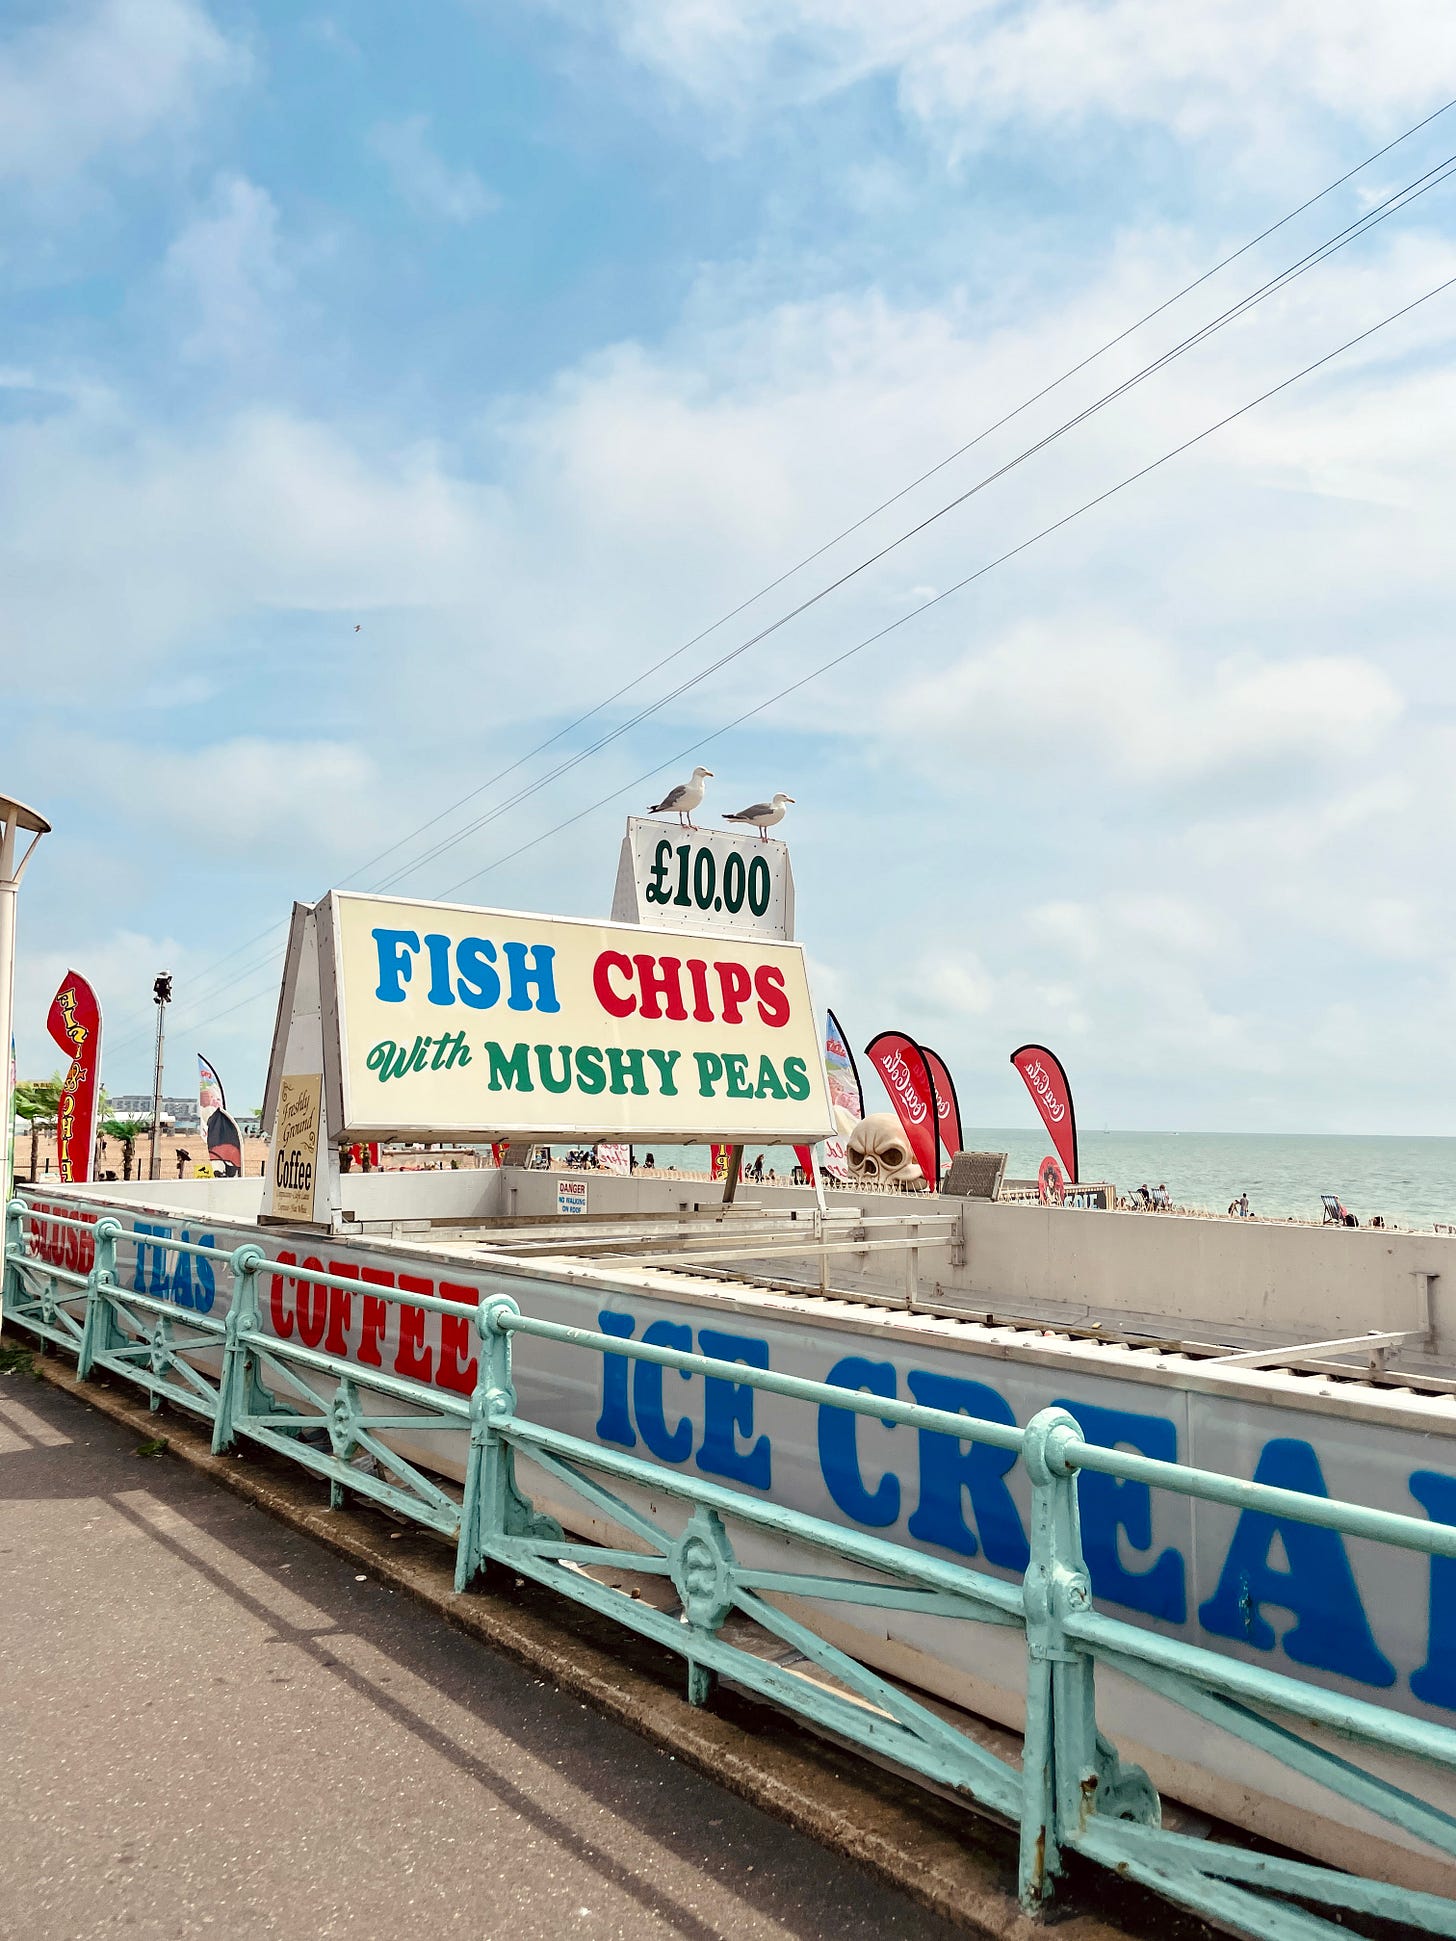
[1409, 1181]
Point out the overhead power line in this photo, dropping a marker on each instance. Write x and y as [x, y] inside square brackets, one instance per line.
[870, 640]
[864, 519]
[1392, 205]
[903, 491]
[848, 653]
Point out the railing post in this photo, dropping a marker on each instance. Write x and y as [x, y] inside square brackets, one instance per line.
[488, 1484]
[15, 1213]
[242, 1317]
[1069, 1771]
[98, 1328]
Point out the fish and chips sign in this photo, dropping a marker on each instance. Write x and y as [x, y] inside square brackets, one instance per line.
[429, 1021]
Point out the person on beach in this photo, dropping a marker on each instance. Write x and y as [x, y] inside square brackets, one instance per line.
[1243, 1206]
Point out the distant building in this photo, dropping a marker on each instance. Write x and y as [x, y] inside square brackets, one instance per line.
[181, 1114]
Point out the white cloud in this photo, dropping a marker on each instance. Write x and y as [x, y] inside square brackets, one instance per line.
[430, 185]
[89, 78]
[189, 533]
[1211, 68]
[224, 278]
[967, 68]
[1079, 695]
[959, 985]
[252, 796]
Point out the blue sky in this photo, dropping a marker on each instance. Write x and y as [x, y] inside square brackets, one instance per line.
[381, 388]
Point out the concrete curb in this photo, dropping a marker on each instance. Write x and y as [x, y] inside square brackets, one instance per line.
[947, 1859]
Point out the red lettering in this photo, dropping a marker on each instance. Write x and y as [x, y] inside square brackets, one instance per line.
[312, 1306]
[660, 977]
[610, 1000]
[413, 1358]
[341, 1309]
[773, 1001]
[698, 972]
[457, 1367]
[735, 984]
[375, 1317]
[282, 1321]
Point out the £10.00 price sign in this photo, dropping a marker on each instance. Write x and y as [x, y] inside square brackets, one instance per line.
[705, 879]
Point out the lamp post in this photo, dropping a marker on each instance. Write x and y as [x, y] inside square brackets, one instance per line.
[161, 997]
[14, 817]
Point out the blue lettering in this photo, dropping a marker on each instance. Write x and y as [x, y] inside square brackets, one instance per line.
[438, 946]
[1435, 1682]
[181, 1289]
[156, 1279]
[1111, 1504]
[1331, 1631]
[839, 1445]
[728, 1413]
[674, 1445]
[949, 1469]
[395, 948]
[478, 984]
[204, 1291]
[139, 1270]
[541, 976]
[614, 1424]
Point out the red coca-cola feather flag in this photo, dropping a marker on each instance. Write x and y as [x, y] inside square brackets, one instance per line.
[947, 1104]
[1052, 1096]
[907, 1077]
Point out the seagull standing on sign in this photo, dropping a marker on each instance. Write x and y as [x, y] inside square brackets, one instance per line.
[682, 800]
[763, 815]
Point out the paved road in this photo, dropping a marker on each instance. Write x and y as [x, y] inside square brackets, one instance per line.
[210, 1725]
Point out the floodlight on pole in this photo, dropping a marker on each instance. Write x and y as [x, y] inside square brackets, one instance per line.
[15, 820]
[161, 997]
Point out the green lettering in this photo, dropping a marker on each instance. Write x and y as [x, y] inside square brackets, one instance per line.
[543, 1066]
[768, 1086]
[796, 1078]
[514, 1073]
[664, 1061]
[388, 1059]
[735, 1064]
[591, 1073]
[625, 1065]
[710, 1070]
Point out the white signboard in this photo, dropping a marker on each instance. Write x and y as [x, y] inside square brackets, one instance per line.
[438, 1021]
[571, 1196]
[706, 879]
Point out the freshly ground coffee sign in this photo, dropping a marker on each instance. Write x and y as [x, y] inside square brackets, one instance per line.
[456, 1021]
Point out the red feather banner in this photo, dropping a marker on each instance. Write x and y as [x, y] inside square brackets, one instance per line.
[74, 1022]
[947, 1105]
[906, 1072]
[1052, 1096]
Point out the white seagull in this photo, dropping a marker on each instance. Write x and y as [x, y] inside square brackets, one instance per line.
[682, 800]
[763, 815]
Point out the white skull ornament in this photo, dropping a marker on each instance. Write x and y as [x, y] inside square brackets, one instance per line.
[877, 1150]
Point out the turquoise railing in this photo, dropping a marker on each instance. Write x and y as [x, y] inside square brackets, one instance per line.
[1069, 1794]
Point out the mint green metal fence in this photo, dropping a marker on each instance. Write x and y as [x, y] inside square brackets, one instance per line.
[1070, 1794]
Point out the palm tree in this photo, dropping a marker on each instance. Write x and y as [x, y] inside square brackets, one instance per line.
[37, 1101]
[126, 1132]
